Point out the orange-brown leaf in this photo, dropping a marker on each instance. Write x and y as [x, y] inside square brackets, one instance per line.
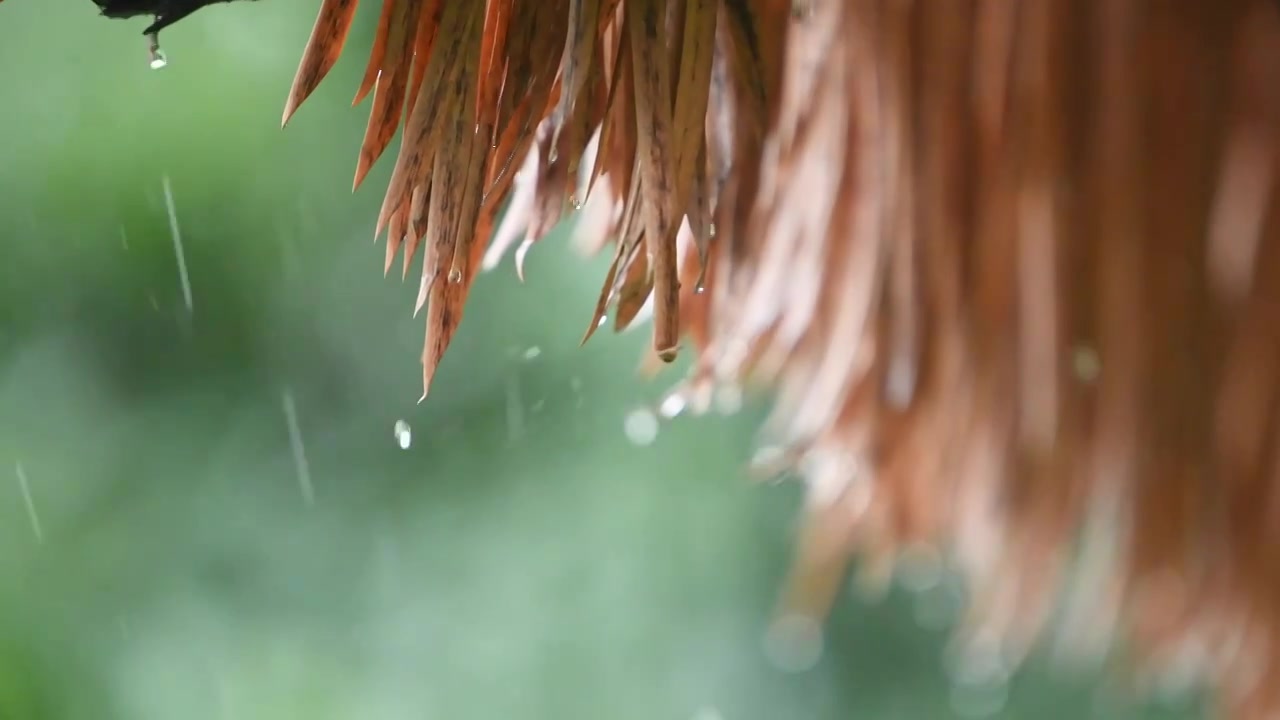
[579, 51]
[492, 59]
[653, 125]
[422, 131]
[388, 101]
[619, 85]
[428, 27]
[376, 52]
[328, 36]
[692, 92]
[457, 197]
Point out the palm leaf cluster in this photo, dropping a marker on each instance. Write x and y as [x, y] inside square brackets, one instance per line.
[1011, 266]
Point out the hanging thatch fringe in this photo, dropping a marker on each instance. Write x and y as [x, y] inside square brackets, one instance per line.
[1013, 268]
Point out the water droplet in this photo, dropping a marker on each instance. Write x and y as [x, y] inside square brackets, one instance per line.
[641, 427]
[404, 434]
[602, 321]
[1086, 363]
[712, 230]
[728, 399]
[673, 404]
[794, 643]
[938, 607]
[872, 579]
[979, 699]
[532, 353]
[979, 676]
[708, 713]
[1177, 682]
[828, 483]
[770, 463]
[455, 275]
[158, 59]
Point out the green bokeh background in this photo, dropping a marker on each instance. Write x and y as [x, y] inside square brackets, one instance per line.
[521, 559]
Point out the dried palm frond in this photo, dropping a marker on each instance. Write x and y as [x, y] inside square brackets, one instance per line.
[1012, 267]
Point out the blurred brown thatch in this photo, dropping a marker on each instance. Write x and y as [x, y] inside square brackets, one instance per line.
[1012, 267]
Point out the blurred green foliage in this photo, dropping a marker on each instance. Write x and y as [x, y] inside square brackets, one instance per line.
[521, 559]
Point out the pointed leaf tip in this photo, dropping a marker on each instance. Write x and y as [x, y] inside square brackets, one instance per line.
[328, 36]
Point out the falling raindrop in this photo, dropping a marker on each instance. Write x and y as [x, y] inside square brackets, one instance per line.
[532, 353]
[641, 427]
[404, 434]
[25, 487]
[176, 234]
[794, 643]
[299, 450]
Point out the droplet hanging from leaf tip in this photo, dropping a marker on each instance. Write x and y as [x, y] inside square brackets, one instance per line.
[674, 404]
[794, 643]
[157, 57]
